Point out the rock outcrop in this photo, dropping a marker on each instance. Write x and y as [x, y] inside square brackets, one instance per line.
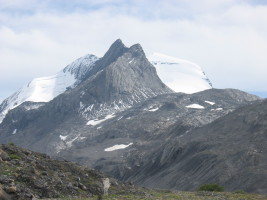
[27, 175]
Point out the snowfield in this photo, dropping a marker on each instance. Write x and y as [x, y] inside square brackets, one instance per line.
[180, 75]
[44, 89]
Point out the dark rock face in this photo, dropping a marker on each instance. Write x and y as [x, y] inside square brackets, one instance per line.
[154, 127]
[28, 175]
[228, 151]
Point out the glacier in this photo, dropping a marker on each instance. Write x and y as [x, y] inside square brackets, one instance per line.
[180, 75]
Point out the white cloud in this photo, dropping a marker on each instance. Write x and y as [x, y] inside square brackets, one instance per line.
[227, 38]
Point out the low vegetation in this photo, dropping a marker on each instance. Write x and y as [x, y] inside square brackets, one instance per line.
[211, 188]
[175, 195]
[27, 175]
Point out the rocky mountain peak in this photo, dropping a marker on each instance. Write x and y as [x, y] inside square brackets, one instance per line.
[115, 50]
[137, 50]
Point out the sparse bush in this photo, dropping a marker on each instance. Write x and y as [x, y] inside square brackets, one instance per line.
[14, 157]
[11, 144]
[211, 188]
[240, 192]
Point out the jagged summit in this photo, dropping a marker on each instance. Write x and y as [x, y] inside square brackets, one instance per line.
[122, 78]
[115, 51]
[180, 75]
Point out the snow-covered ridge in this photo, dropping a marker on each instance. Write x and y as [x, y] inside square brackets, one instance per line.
[80, 66]
[44, 89]
[180, 75]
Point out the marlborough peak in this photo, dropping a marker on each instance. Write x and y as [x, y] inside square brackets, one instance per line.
[122, 78]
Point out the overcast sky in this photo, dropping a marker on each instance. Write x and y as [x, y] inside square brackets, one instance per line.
[227, 38]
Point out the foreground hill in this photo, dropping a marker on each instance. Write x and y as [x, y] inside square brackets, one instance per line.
[26, 175]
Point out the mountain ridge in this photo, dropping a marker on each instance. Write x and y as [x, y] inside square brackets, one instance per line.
[44, 89]
[123, 120]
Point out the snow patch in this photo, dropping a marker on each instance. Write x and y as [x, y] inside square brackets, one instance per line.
[82, 138]
[118, 146]
[196, 106]
[119, 118]
[33, 107]
[14, 132]
[131, 61]
[69, 143]
[98, 121]
[62, 137]
[152, 108]
[219, 109]
[210, 102]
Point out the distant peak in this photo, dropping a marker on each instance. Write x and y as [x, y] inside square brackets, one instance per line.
[136, 47]
[116, 49]
[117, 44]
[137, 50]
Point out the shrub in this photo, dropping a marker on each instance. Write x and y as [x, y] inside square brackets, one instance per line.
[240, 192]
[14, 156]
[211, 188]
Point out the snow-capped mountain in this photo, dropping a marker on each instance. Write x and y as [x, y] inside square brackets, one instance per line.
[180, 75]
[119, 117]
[44, 89]
[122, 78]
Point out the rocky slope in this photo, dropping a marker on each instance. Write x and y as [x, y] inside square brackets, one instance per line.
[28, 175]
[147, 127]
[230, 151]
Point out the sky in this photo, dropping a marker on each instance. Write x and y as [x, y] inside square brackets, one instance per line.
[227, 38]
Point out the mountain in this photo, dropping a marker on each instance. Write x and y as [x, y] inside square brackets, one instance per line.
[180, 75]
[29, 175]
[120, 79]
[120, 118]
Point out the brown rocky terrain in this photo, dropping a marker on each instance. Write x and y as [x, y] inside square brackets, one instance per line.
[28, 175]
